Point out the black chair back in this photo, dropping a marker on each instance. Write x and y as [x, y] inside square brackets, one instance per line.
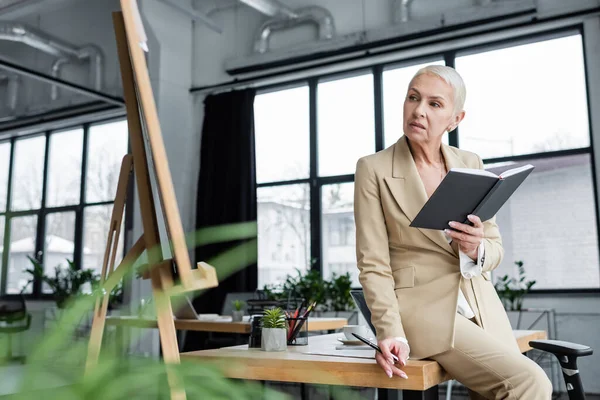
[12, 308]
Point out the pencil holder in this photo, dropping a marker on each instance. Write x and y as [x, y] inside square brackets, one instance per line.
[255, 339]
[297, 331]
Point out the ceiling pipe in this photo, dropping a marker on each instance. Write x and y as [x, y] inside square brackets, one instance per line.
[55, 72]
[17, 32]
[311, 14]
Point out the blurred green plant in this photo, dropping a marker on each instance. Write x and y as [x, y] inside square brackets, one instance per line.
[66, 283]
[308, 285]
[338, 292]
[238, 305]
[330, 295]
[69, 282]
[57, 359]
[512, 290]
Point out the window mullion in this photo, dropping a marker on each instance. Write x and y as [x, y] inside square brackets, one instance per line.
[315, 187]
[41, 220]
[6, 244]
[78, 246]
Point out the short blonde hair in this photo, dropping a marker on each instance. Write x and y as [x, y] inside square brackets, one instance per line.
[452, 78]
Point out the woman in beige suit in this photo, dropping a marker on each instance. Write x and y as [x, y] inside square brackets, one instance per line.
[429, 291]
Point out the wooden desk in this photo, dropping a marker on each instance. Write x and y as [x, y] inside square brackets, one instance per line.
[297, 365]
[221, 325]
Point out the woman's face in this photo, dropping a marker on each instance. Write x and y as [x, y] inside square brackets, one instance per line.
[429, 108]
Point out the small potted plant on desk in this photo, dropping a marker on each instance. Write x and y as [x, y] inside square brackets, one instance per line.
[238, 312]
[274, 337]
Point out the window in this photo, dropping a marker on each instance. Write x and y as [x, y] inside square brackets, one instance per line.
[283, 195]
[283, 228]
[107, 146]
[64, 168]
[518, 106]
[547, 225]
[512, 89]
[28, 174]
[338, 239]
[59, 242]
[520, 99]
[22, 245]
[96, 223]
[281, 124]
[346, 128]
[41, 202]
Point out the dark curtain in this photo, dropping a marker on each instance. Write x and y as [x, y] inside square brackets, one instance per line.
[226, 193]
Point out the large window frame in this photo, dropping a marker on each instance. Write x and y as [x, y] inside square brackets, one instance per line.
[316, 182]
[44, 211]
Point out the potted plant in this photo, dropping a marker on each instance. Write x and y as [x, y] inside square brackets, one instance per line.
[338, 290]
[238, 312]
[513, 290]
[274, 334]
[66, 283]
[308, 286]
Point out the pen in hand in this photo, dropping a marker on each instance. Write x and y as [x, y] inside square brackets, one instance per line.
[389, 369]
[373, 345]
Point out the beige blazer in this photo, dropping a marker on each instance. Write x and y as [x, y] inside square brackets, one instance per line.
[411, 276]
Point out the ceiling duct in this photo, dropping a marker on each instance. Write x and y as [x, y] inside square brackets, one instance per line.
[311, 14]
[65, 52]
[469, 21]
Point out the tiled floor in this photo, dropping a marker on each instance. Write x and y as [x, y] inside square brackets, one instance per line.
[11, 378]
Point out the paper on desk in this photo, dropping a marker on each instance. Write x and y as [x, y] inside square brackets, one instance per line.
[353, 347]
[344, 353]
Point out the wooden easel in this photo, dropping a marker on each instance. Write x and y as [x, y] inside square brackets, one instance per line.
[142, 117]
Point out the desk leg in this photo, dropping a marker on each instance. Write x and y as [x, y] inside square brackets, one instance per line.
[392, 394]
[430, 394]
[387, 394]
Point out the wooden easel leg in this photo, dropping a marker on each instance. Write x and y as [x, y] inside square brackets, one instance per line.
[101, 308]
[108, 263]
[161, 279]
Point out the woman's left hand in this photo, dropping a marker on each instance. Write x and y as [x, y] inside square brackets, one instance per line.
[467, 237]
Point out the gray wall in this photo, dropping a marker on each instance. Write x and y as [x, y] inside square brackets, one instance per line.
[184, 53]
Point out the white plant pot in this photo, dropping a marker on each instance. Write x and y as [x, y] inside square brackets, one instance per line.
[274, 339]
[237, 316]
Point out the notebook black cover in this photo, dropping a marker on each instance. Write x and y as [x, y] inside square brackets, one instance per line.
[460, 194]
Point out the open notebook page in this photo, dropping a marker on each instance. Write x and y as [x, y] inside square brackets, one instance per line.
[473, 171]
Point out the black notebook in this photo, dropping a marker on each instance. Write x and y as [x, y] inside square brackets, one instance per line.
[465, 191]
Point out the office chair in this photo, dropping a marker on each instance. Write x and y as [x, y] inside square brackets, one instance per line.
[567, 354]
[14, 318]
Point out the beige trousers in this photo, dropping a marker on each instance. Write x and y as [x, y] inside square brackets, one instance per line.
[491, 369]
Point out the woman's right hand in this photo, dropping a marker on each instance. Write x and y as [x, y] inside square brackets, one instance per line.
[385, 360]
